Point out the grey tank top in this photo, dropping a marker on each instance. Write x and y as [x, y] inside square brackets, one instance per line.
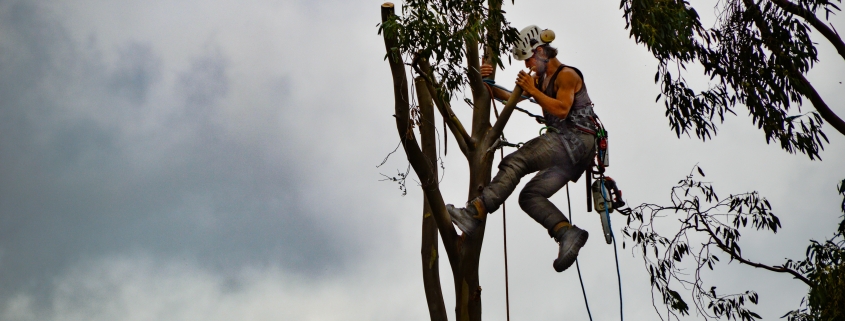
[580, 120]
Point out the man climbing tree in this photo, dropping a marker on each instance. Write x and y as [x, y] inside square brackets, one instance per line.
[561, 154]
[442, 42]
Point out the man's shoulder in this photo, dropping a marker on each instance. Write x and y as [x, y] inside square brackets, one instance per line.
[569, 75]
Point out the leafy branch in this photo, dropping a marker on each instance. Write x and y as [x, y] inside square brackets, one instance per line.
[756, 55]
[708, 226]
[438, 31]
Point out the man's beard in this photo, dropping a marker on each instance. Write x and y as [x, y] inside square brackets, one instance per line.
[541, 68]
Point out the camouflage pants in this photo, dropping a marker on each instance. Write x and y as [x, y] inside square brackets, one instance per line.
[547, 155]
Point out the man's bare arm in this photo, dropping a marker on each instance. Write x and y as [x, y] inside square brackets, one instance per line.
[499, 93]
[567, 82]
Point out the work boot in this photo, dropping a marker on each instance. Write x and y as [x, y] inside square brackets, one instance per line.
[468, 218]
[571, 239]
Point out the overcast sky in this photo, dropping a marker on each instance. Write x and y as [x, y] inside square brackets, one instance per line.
[187, 160]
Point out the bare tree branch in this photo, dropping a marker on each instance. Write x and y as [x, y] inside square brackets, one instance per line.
[418, 161]
[736, 256]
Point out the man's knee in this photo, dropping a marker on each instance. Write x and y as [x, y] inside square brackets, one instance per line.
[526, 198]
[516, 162]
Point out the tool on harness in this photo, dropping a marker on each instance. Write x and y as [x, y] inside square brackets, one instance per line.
[603, 193]
[549, 128]
[606, 200]
[502, 142]
[613, 199]
[603, 147]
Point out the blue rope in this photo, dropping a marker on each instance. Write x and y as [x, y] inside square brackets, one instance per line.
[615, 254]
[577, 266]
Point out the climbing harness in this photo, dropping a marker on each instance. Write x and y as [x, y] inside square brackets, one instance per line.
[549, 128]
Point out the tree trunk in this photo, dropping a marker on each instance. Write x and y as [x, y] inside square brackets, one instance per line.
[463, 251]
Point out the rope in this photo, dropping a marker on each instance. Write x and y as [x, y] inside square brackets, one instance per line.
[504, 222]
[578, 266]
[505, 238]
[615, 254]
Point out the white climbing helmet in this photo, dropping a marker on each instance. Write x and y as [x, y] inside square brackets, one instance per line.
[530, 38]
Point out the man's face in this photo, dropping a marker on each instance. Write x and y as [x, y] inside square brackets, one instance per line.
[538, 64]
[529, 62]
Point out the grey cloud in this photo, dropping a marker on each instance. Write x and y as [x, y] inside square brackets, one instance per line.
[138, 68]
[205, 83]
[76, 183]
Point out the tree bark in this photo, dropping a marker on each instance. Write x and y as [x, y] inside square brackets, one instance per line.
[505, 115]
[429, 246]
[491, 50]
[480, 94]
[422, 167]
[464, 250]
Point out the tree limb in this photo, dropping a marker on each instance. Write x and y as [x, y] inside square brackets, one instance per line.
[499, 126]
[465, 142]
[429, 244]
[828, 33]
[739, 258]
[824, 111]
[415, 156]
[480, 94]
[491, 50]
[803, 84]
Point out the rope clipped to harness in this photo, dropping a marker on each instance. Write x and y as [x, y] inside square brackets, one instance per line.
[606, 197]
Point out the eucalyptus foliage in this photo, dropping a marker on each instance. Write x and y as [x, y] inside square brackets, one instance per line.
[755, 55]
[440, 30]
[711, 227]
[825, 266]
